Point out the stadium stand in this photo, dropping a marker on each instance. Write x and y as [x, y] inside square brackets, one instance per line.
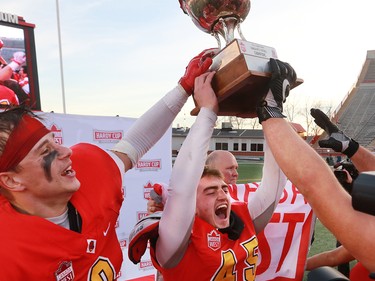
[355, 116]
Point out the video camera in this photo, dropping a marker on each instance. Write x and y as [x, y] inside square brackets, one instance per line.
[362, 189]
[342, 169]
[341, 176]
[363, 193]
[363, 200]
[345, 165]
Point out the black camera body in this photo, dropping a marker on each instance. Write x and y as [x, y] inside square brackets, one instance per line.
[363, 193]
[341, 176]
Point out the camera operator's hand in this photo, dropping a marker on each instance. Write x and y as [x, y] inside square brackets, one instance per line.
[337, 140]
[283, 77]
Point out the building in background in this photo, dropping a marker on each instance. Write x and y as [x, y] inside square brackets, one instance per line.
[245, 144]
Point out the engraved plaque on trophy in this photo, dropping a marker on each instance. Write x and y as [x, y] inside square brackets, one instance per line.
[242, 69]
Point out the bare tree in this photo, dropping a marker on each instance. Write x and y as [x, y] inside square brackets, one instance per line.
[254, 123]
[238, 122]
[291, 109]
[311, 128]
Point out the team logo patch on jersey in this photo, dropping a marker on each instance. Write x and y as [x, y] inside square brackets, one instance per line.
[65, 272]
[214, 240]
[91, 246]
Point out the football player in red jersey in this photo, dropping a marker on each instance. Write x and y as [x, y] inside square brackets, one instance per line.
[59, 205]
[7, 97]
[202, 235]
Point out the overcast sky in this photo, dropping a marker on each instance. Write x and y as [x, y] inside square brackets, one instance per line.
[119, 57]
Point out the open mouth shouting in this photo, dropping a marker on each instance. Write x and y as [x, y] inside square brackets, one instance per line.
[222, 215]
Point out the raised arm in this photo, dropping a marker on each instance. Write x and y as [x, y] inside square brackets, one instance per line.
[179, 212]
[18, 60]
[363, 159]
[264, 201]
[152, 125]
[312, 176]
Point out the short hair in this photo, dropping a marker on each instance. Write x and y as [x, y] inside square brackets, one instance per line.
[9, 119]
[207, 171]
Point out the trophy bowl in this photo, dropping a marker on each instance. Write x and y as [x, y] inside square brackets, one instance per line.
[207, 15]
[242, 67]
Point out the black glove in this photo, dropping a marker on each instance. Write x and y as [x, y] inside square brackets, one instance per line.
[282, 77]
[337, 140]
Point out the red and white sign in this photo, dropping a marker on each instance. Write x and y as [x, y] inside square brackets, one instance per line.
[284, 243]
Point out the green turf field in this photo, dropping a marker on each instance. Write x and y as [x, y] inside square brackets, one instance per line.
[323, 241]
[249, 171]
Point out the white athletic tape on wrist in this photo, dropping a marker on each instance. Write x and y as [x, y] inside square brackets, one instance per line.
[14, 65]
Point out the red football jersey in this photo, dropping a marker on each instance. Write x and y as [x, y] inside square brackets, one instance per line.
[33, 248]
[359, 273]
[7, 96]
[211, 255]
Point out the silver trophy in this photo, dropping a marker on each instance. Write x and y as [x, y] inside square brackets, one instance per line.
[218, 17]
[242, 70]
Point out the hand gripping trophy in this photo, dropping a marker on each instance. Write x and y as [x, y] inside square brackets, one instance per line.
[242, 70]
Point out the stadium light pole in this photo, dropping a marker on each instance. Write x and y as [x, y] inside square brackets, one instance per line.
[60, 53]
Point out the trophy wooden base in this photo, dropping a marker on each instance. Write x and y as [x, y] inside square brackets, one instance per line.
[242, 77]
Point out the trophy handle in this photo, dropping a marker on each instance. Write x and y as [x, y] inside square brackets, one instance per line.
[225, 27]
[240, 31]
[216, 35]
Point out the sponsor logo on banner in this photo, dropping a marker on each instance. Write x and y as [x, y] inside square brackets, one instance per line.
[57, 134]
[213, 240]
[146, 264]
[65, 272]
[149, 165]
[107, 136]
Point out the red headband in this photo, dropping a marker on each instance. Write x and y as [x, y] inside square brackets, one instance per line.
[21, 140]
